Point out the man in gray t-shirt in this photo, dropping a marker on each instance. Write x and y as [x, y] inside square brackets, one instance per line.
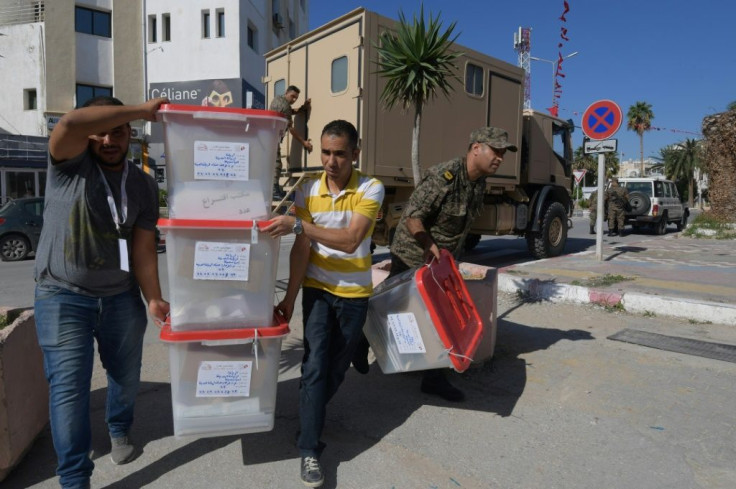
[96, 254]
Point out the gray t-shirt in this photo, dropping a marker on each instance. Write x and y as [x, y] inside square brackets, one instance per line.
[79, 249]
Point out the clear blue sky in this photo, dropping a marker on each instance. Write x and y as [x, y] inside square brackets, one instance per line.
[679, 56]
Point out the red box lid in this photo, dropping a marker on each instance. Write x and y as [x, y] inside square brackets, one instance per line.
[451, 308]
[194, 109]
[280, 328]
[209, 224]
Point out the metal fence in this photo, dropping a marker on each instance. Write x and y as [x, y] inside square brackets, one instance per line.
[21, 12]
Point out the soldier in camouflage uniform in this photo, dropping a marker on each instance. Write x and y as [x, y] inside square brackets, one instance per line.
[439, 215]
[593, 207]
[618, 198]
[282, 104]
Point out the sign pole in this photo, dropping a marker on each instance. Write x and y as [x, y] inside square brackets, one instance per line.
[601, 208]
[601, 120]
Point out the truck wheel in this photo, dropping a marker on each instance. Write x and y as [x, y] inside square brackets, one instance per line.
[639, 202]
[553, 236]
[661, 226]
[682, 223]
[471, 241]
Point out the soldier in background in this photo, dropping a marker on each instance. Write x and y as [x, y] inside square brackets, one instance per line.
[593, 207]
[617, 197]
[283, 103]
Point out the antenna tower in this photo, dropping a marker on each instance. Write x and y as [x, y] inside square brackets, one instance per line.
[523, 46]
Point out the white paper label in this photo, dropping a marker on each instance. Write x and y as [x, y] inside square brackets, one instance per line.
[221, 261]
[214, 160]
[124, 261]
[406, 333]
[224, 379]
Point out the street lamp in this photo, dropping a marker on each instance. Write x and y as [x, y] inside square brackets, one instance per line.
[554, 65]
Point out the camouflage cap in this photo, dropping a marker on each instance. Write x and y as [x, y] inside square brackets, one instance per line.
[493, 137]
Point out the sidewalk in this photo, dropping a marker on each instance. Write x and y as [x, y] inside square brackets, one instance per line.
[688, 278]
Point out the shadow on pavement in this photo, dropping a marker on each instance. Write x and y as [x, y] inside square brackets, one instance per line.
[366, 409]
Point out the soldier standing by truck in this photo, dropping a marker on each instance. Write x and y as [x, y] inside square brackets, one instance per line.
[283, 103]
[618, 199]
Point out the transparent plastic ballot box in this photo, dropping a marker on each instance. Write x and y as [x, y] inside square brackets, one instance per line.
[223, 382]
[220, 160]
[222, 274]
[424, 319]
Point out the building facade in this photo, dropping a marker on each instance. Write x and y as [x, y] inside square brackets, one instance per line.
[205, 53]
[56, 54]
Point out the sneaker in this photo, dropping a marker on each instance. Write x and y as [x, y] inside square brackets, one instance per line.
[122, 450]
[312, 472]
[438, 385]
[360, 357]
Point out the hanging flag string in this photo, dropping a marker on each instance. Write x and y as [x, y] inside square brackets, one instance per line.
[554, 110]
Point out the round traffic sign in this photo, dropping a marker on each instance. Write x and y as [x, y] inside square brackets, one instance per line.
[602, 119]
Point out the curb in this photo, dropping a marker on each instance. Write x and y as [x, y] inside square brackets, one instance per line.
[700, 311]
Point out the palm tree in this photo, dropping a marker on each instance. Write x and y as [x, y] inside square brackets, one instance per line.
[417, 63]
[681, 160]
[640, 117]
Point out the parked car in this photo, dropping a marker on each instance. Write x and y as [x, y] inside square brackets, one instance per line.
[20, 227]
[654, 202]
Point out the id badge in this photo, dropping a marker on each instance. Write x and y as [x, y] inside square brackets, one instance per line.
[124, 262]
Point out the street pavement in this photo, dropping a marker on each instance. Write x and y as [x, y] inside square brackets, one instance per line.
[672, 275]
[559, 406]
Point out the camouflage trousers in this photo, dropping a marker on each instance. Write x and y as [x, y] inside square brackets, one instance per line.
[616, 218]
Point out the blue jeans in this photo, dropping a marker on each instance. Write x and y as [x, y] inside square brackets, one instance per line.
[332, 327]
[67, 325]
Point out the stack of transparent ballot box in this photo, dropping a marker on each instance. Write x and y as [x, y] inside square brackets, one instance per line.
[224, 340]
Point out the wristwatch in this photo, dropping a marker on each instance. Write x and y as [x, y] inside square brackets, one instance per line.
[297, 229]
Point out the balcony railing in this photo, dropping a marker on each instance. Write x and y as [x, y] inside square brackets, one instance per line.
[22, 12]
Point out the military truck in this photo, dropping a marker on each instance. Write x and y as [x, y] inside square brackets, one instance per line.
[335, 66]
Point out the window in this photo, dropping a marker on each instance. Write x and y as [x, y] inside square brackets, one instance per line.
[220, 22]
[95, 22]
[166, 27]
[152, 29]
[30, 100]
[252, 38]
[473, 79]
[86, 92]
[658, 189]
[339, 77]
[33, 208]
[279, 87]
[668, 189]
[205, 24]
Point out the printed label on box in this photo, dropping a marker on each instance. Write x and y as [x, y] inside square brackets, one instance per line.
[214, 160]
[224, 379]
[405, 330]
[221, 261]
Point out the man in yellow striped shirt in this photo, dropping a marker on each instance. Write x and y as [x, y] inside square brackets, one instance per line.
[331, 261]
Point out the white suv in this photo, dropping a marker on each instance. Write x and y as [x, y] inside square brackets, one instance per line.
[654, 202]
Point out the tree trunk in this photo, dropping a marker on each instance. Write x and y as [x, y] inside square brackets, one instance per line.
[641, 152]
[690, 192]
[416, 168]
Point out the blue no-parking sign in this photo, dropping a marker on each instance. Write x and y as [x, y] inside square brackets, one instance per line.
[602, 119]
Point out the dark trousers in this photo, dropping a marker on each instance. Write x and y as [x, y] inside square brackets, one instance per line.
[332, 328]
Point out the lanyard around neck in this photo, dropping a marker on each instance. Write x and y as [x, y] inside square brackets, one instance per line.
[118, 220]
